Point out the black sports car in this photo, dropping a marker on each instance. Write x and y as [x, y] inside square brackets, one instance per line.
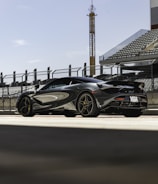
[85, 96]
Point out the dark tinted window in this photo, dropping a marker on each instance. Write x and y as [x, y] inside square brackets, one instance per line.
[87, 79]
[57, 83]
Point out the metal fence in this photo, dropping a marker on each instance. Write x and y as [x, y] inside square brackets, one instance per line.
[12, 85]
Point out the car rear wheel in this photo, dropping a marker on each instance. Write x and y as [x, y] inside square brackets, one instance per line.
[25, 107]
[132, 113]
[87, 106]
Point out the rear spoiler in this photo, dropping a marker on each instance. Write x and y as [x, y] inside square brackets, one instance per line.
[136, 85]
[125, 83]
[122, 84]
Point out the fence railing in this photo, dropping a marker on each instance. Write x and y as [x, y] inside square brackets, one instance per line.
[12, 85]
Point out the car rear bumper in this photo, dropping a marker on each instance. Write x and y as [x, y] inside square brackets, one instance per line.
[126, 102]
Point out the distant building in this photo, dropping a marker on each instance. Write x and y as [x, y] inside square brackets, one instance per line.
[154, 14]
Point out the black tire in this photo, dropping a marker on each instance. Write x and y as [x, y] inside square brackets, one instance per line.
[25, 107]
[86, 105]
[132, 113]
[68, 113]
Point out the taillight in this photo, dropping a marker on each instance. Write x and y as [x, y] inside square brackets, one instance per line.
[119, 98]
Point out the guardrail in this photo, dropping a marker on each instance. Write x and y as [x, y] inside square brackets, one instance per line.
[28, 78]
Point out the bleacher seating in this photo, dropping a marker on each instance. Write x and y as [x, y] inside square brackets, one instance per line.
[143, 46]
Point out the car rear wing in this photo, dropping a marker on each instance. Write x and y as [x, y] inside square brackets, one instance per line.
[122, 84]
[125, 83]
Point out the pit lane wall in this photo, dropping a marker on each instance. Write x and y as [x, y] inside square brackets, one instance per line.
[152, 99]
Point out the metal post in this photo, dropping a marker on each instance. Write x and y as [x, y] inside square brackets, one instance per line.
[69, 70]
[14, 78]
[85, 70]
[101, 69]
[111, 69]
[121, 70]
[117, 70]
[152, 76]
[48, 73]
[1, 78]
[35, 76]
[26, 76]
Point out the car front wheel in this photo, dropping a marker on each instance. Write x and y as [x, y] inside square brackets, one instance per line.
[87, 106]
[25, 107]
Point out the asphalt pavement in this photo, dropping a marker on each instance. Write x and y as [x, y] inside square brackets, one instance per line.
[46, 155]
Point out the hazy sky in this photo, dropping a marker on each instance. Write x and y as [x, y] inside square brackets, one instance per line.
[55, 33]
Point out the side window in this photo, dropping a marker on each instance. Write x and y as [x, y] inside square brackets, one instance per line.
[74, 81]
[57, 83]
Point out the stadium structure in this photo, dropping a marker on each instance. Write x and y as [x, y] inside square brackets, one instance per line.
[137, 58]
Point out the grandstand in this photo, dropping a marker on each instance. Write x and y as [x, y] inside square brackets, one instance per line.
[142, 48]
[137, 58]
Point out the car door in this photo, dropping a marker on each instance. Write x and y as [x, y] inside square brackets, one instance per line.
[55, 93]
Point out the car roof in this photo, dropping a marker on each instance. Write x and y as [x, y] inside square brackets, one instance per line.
[84, 79]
